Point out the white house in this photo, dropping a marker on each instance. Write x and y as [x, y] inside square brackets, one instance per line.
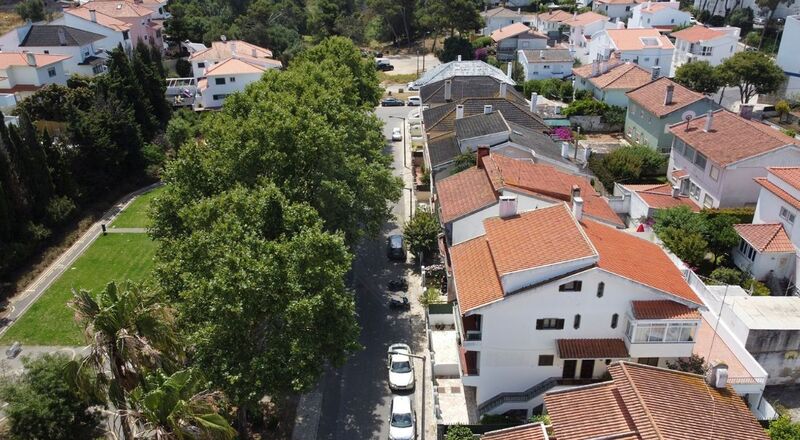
[23, 73]
[615, 9]
[115, 31]
[639, 203]
[516, 37]
[551, 22]
[645, 47]
[787, 56]
[501, 17]
[609, 81]
[659, 15]
[85, 58]
[545, 63]
[581, 28]
[223, 79]
[139, 21]
[221, 51]
[700, 43]
[716, 157]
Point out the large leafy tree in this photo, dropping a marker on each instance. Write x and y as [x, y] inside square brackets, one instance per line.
[753, 73]
[42, 404]
[251, 266]
[783, 429]
[699, 76]
[422, 233]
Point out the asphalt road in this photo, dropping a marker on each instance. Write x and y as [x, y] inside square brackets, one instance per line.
[356, 397]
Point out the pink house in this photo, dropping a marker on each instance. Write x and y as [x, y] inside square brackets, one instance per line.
[140, 20]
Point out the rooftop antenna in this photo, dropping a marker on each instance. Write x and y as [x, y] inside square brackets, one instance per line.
[687, 117]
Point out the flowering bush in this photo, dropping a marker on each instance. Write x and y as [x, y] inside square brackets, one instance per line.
[563, 133]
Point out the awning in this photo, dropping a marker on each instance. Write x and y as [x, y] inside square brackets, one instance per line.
[592, 349]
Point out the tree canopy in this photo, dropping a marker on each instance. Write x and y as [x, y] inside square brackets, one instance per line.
[422, 233]
[631, 164]
[699, 76]
[753, 73]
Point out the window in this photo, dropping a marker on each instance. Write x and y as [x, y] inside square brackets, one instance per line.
[653, 362]
[672, 21]
[232, 79]
[627, 8]
[572, 286]
[657, 60]
[201, 65]
[700, 160]
[546, 360]
[47, 52]
[576, 323]
[714, 173]
[747, 250]
[219, 81]
[219, 97]
[51, 72]
[601, 287]
[614, 320]
[694, 190]
[705, 51]
[124, 35]
[546, 66]
[661, 332]
[550, 324]
[786, 215]
[678, 146]
[708, 202]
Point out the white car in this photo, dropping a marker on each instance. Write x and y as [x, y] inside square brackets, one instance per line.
[401, 368]
[411, 86]
[414, 101]
[401, 419]
[397, 134]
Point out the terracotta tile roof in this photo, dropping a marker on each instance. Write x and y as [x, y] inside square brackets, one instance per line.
[592, 349]
[698, 33]
[620, 2]
[585, 18]
[474, 273]
[464, 193]
[709, 345]
[679, 174]
[766, 237]
[619, 76]
[660, 197]
[530, 431]
[657, 6]
[102, 19]
[644, 402]
[508, 173]
[641, 186]
[233, 66]
[514, 30]
[778, 191]
[221, 50]
[634, 39]
[20, 59]
[119, 9]
[637, 259]
[651, 97]
[557, 16]
[662, 309]
[790, 175]
[731, 138]
[500, 12]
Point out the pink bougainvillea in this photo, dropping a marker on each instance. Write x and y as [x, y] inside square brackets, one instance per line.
[563, 133]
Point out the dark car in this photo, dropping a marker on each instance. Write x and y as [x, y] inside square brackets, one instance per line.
[392, 102]
[395, 247]
[384, 67]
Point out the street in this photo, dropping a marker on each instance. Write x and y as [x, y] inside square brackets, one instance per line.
[356, 398]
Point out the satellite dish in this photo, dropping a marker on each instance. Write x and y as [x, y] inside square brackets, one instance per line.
[688, 115]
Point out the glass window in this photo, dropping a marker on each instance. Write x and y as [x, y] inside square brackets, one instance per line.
[708, 202]
[714, 173]
[786, 215]
[201, 65]
[219, 81]
[673, 333]
[687, 333]
[679, 146]
[546, 360]
[549, 324]
[700, 160]
[689, 153]
[232, 79]
[614, 320]
[51, 72]
[655, 333]
[577, 322]
[572, 286]
[601, 287]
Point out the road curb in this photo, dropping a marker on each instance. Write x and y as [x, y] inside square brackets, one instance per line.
[309, 408]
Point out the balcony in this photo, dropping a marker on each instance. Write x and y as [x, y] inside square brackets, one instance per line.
[660, 339]
[472, 328]
[469, 362]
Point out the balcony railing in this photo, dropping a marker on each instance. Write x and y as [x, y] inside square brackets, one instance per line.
[473, 335]
[523, 396]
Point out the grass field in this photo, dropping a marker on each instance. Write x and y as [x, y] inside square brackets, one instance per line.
[114, 257]
[135, 215]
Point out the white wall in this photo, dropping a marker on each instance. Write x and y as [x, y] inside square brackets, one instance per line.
[768, 211]
[544, 70]
[787, 54]
[721, 49]
[113, 38]
[242, 80]
[621, 11]
[670, 16]
[471, 226]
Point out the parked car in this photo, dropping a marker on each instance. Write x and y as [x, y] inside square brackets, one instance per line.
[401, 369]
[412, 87]
[401, 419]
[399, 283]
[414, 100]
[385, 67]
[14, 350]
[395, 247]
[392, 102]
[397, 135]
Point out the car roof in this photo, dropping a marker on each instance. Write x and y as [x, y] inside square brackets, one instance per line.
[396, 239]
[401, 404]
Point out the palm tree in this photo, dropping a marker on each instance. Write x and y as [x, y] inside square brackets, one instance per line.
[179, 408]
[128, 330]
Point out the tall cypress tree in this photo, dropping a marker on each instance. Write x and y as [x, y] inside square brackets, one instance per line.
[121, 82]
[36, 171]
[152, 83]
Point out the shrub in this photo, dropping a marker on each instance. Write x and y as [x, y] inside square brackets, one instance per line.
[60, 209]
[431, 295]
[482, 42]
[582, 94]
[757, 288]
[694, 364]
[743, 19]
[585, 107]
[726, 275]
[458, 432]
[183, 67]
[741, 215]
[421, 233]
[455, 46]
[614, 115]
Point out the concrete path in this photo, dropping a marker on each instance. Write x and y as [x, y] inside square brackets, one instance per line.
[126, 230]
[19, 304]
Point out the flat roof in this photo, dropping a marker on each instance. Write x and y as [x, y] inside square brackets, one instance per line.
[767, 312]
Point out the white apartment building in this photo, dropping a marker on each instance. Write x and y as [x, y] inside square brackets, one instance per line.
[223, 79]
[85, 57]
[22, 74]
[545, 63]
[660, 15]
[551, 22]
[787, 57]
[581, 28]
[700, 43]
[501, 17]
[615, 9]
[115, 32]
[221, 51]
[514, 37]
[645, 47]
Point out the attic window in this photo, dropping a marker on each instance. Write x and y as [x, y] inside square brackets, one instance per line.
[650, 41]
[572, 286]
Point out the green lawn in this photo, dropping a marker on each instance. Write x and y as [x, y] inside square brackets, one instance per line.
[114, 257]
[135, 215]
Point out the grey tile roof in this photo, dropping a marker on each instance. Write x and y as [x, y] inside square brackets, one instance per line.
[551, 55]
[541, 143]
[480, 125]
[442, 118]
[443, 149]
[467, 87]
[500, 12]
[48, 36]
[462, 68]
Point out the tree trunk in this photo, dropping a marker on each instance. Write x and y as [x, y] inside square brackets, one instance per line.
[122, 406]
[241, 416]
[405, 25]
[764, 30]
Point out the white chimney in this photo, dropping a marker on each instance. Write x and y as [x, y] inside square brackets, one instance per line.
[577, 208]
[503, 87]
[62, 36]
[595, 68]
[534, 98]
[668, 94]
[603, 66]
[676, 191]
[655, 72]
[253, 52]
[565, 150]
[459, 111]
[519, 11]
[709, 121]
[541, 54]
[31, 58]
[459, 58]
[233, 48]
[509, 68]
[487, 109]
[93, 15]
[746, 111]
[508, 206]
[448, 90]
[620, 24]
[717, 376]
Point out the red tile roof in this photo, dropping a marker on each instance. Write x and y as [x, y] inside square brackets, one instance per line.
[592, 349]
[619, 76]
[20, 59]
[638, 260]
[778, 191]
[709, 345]
[731, 138]
[464, 193]
[660, 197]
[476, 280]
[514, 30]
[585, 18]
[530, 431]
[790, 175]
[644, 402]
[651, 97]
[633, 39]
[697, 33]
[679, 174]
[557, 16]
[766, 237]
[662, 309]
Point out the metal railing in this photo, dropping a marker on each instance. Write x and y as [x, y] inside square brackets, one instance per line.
[522, 396]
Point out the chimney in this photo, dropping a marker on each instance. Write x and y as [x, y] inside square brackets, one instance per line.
[459, 111]
[575, 192]
[565, 150]
[508, 206]
[620, 24]
[62, 36]
[93, 15]
[541, 54]
[603, 66]
[253, 52]
[483, 151]
[459, 58]
[487, 109]
[233, 48]
[448, 90]
[31, 58]
[746, 111]
[676, 191]
[519, 11]
[668, 95]
[655, 73]
[717, 376]
[509, 69]
[709, 121]
[503, 87]
[574, 15]
[595, 68]
[577, 208]
[534, 98]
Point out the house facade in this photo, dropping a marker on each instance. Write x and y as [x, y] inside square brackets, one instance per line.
[700, 43]
[638, 204]
[645, 47]
[115, 32]
[787, 57]
[550, 23]
[545, 63]
[23, 73]
[659, 15]
[581, 28]
[84, 57]
[516, 37]
[500, 17]
[222, 51]
[716, 157]
[609, 81]
[140, 22]
[224, 79]
[615, 9]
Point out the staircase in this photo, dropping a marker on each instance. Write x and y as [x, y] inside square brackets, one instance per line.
[523, 396]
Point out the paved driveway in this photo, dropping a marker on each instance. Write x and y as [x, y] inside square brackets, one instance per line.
[404, 64]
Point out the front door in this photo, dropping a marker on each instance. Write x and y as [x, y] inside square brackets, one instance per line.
[569, 369]
[587, 368]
